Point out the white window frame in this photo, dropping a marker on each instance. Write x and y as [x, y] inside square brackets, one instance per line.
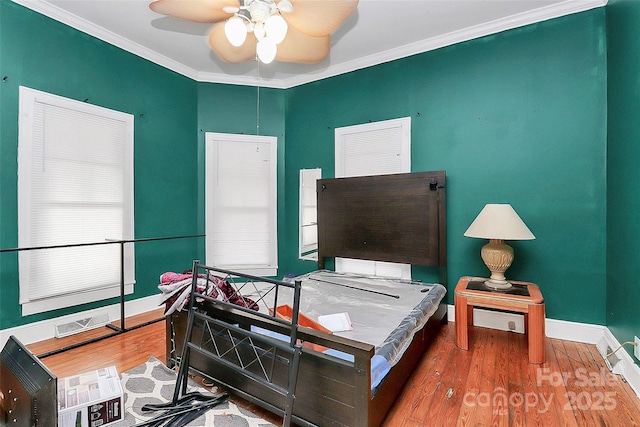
[364, 150]
[96, 275]
[308, 231]
[241, 201]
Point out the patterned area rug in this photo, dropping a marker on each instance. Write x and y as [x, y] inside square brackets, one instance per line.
[153, 382]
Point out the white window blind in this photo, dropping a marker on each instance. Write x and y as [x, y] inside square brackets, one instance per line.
[309, 213]
[75, 185]
[373, 149]
[241, 210]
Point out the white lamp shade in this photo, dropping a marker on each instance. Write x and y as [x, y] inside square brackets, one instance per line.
[266, 50]
[236, 31]
[276, 28]
[500, 222]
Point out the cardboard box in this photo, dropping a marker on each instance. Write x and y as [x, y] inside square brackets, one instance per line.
[90, 399]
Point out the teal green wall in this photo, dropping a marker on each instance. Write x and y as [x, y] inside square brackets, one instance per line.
[233, 109]
[623, 225]
[43, 54]
[518, 117]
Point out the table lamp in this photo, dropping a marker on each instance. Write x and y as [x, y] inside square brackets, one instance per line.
[498, 222]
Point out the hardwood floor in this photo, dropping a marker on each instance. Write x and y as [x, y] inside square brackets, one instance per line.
[492, 384]
[124, 351]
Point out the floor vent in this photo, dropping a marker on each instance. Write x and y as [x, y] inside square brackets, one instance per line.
[81, 325]
[612, 360]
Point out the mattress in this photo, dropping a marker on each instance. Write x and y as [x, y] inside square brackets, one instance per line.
[384, 312]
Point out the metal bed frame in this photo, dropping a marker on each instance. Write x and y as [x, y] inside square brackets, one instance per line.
[257, 358]
[393, 218]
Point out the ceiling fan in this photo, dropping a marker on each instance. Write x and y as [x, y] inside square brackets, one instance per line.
[284, 30]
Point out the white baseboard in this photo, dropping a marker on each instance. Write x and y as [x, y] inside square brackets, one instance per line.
[564, 330]
[45, 329]
[560, 329]
[626, 366]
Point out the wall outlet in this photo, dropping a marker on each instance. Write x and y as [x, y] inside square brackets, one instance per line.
[636, 349]
[511, 325]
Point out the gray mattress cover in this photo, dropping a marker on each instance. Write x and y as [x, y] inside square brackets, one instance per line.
[384, 312]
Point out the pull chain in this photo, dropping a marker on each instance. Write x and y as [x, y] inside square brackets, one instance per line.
[258, 100]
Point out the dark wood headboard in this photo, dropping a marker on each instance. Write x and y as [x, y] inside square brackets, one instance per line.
[394, 218]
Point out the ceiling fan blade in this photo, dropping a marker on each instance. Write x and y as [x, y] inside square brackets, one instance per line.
[228, 52]
[195, 10]
[318, 18]
[300, 47]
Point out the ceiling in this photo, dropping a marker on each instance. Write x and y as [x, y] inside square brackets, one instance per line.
[377, 31]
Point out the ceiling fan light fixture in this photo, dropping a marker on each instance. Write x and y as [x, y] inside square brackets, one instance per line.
[276, 28]
[292, 30]
[258, 30]
[236, 31]
[266, 50]
[259, 10]
[285, 6]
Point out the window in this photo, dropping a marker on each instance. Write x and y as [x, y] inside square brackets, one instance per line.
[75, 185]
[373, 149]
[240, 199]
[309, 214]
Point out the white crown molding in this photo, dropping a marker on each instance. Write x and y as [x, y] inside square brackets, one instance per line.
[80, 24]
[514, 21]
[549, 12]
[241, 80]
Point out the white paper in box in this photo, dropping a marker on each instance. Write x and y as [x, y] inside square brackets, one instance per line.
[90, 399]
[337, 322]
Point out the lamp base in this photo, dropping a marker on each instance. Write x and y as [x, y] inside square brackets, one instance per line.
[497, 256]
[498, 285]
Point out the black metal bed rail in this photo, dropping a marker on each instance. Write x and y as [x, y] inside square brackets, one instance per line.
[117, 329]
[229, 276]
[260, 347]
[229, 352]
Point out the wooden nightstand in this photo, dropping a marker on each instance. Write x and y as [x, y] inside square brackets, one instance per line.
[525, 298]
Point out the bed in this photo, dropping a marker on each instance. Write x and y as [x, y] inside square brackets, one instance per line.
[393, 218]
